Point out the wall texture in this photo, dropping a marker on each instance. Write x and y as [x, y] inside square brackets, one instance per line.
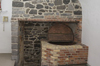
[5, 40]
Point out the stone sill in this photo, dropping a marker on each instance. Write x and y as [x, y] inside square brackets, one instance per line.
[72, 20]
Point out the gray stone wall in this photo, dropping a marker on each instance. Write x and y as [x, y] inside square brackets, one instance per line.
[43, 8]
[33, 33]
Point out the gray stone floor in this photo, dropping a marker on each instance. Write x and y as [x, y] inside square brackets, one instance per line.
[5, 60]
[77, 65]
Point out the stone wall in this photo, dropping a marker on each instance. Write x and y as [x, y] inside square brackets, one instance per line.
[33, 33]
[43, 8]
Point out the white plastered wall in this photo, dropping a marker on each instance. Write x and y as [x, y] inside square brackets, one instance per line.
[91, 29]
[5, 36]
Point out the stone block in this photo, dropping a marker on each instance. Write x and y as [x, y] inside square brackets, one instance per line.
[78, 16]
[39, 6]
[40, 13]
[38, 16]
[47, 0]
[46, 7]
[17, 4]
[48, 13]
[78, 12]
[14, 28]
[77, 6]
[14, 39]
[14, 51]
[14, 24]
[18, 12]
[14, 46]
[41, 10]
[61, 7]
[58, 2]
[26, 15]
[66, 1]
[16, 15]
[33, 12]
[17, 9]
[70, 7]
[66, 14]
[29, 5]
[51, 4]
[15, 33]
[14, 57]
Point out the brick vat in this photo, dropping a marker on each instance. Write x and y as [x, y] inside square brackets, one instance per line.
[55, 55]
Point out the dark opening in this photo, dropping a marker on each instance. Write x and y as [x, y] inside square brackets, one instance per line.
[63, 43]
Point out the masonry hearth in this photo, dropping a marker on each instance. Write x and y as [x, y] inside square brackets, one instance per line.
[47, 33]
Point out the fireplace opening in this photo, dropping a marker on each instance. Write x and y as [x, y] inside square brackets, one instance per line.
[31, 33]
